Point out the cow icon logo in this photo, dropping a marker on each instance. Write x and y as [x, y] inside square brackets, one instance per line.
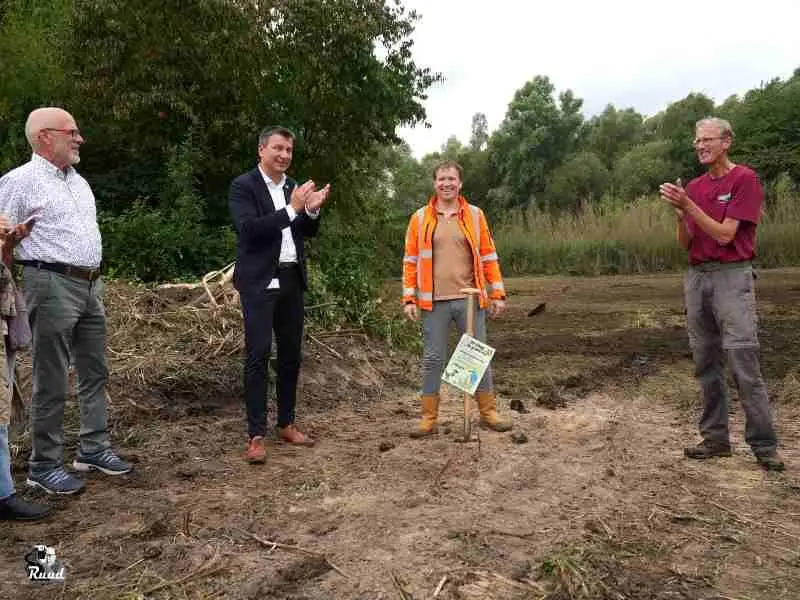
[42, 564]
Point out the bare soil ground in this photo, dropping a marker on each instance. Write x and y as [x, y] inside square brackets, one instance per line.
[599, 503]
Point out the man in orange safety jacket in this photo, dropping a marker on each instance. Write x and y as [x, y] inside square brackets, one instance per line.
[448, 248]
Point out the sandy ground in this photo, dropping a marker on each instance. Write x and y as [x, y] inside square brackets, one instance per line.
[599, 503]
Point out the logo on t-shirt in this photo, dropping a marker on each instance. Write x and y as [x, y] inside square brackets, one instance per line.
[724, 198]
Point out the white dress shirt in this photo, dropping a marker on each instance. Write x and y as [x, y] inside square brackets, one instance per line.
[63, 205]
[288, 249]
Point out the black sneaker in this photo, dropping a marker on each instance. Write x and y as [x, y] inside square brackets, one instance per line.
[56, 481]
[15, 508]
[707, 449]
[105, 461]
[770, 462]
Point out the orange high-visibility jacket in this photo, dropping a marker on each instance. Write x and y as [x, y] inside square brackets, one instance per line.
[418, 259]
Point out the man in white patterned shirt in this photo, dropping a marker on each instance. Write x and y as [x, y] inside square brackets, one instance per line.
[64, 294]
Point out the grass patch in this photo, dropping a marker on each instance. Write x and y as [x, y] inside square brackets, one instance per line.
[638, 237]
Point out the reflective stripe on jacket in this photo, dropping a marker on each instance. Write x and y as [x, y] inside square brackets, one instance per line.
[418, 259]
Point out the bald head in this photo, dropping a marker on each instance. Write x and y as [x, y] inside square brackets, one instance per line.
[45, 118]
[53, 134]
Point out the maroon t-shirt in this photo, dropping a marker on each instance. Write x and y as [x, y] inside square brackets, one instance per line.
[737, 195]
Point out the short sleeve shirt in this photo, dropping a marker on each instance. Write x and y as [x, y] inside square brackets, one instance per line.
[736, 195]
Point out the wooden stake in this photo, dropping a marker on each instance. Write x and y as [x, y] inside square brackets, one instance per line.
[471, 293]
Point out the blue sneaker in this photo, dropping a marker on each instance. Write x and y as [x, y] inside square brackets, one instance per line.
[105, 461]
[55, 481]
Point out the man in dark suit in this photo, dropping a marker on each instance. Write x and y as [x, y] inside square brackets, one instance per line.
[272, 215]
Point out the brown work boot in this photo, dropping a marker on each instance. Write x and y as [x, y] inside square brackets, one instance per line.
[256, 454]
[291, 435]
[430, 413]
[770, 461]
[708, 449]
[487, 404]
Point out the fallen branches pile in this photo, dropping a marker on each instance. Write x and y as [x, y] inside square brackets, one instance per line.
[181, 350]
[176, 349]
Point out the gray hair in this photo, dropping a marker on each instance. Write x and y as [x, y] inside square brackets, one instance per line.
[32, 132]
[725, 128]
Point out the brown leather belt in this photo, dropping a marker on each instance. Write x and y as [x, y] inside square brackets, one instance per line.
[68, 270]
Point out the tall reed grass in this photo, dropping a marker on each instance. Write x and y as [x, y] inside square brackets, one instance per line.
[639, 237]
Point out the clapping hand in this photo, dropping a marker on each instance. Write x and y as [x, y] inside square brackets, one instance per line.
[676, 195]
[301, 195]
[317, 198]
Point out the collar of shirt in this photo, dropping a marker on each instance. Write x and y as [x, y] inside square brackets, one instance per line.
[268, 179]
[42, 163]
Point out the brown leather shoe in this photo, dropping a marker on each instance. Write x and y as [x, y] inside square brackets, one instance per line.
[256, 454]
[291, 435]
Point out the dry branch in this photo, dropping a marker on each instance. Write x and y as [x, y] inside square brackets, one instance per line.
[404, 595]
[272, 545]
[439, 587]
[747, 520]
[326, 346]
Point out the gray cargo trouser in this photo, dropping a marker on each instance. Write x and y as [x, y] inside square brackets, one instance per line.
[435, 330]
[67, 320]
[721, 317]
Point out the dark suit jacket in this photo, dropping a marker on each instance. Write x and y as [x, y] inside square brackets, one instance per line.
[258, 227]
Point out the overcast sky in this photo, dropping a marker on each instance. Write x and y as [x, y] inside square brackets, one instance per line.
[641, 54]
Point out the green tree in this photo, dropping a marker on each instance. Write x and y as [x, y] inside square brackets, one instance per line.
[612, 133]
[643, 168]
[767, 132]
[32, 37]
[729, 108]
[534, 138]
[676, 125]
[406, 182]
[581, 179]
[147, 71]
[480, 132]
[146, 77]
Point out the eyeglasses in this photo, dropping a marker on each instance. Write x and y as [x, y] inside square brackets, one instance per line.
[74, 133]
[703, 141]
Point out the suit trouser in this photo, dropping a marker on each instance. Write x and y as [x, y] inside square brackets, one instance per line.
[67, 319]
[721, 317]
[280, 310]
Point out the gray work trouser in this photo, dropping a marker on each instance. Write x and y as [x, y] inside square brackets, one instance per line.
[67, 320]
[435, 330]
[721, 318]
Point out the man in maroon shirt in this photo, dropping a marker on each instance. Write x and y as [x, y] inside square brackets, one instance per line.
[717, 217]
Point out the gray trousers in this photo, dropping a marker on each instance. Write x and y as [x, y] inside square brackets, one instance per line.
[435, 331]
[67, 321]
[721, 319]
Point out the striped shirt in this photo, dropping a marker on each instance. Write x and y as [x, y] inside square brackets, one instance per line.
[63, 207]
